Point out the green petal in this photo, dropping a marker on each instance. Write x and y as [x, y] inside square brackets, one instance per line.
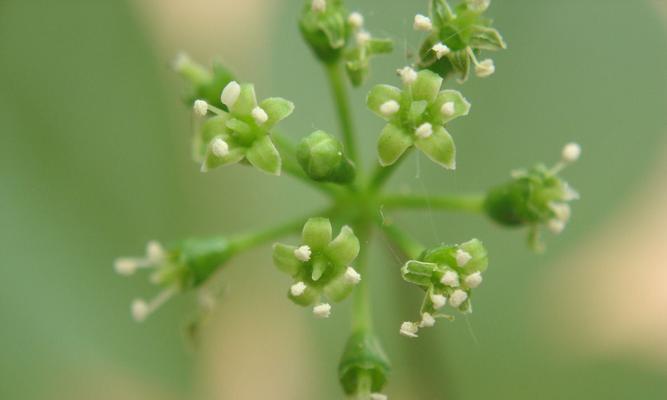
[439, 147]
[485, 38]
[460, 60]
[419, 273]
[339, 288]
[307, 298]
[381, 94]
[212, 127]
[392, 144]
[380, 46]
[480, 259]
[284, 259]
[264, 156]
[277, 109]
[239, 126]
[246, 102]
[427, 86]
[317, 233]
[212, 161]
[344, 248]
[461, 106]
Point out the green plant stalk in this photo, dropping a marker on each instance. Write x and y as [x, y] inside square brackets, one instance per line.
[473, 203]
[337, 82]
[361, 312]
[409, 246]
[382, 174]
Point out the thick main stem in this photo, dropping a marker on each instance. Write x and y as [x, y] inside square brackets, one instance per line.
[342, 102]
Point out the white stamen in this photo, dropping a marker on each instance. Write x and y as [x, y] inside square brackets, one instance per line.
[322, 310]
[457, 298]
[423, 23]
[473, 280]
[562, 211]
[450, 278]
[556, 226]
[485, 68]
[298, 289]
[462, 257]
[438, 301]
[409, 329]
[441, 50]
[424, 130]
[140, 310]
[427, 320]
[571, 152]
[230, 94]
[154, 252]
[318, 6]
[408, 75]
[259, 115]
[378, 396]
[448, 109]
[352, 276]
[219, 147]
[200, 107]
[356, 20]
[390, 108]
[363, 38]
[125, 266]
[303, 253]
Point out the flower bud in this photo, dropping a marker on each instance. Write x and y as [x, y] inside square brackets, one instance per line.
[364, 365]
[321, 157]
[323, 25]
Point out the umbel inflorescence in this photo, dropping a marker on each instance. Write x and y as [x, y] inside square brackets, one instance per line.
[328, 263]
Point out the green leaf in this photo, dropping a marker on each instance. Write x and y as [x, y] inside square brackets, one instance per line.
[439, 147]
[381, 94]
[344, 248]
[284, 259]
[277, 109]
[392, 144]
[485, 38]
[427, 86]
[246, 102]
[461, 106]
[419, 273]
[264, 156]
[317, 233]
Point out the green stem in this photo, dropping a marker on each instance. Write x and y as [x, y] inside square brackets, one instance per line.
[469, 203]
[361, 308]
[339, 91]
[409, 246]
[382, 174]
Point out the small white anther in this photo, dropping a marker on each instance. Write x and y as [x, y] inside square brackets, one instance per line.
[140, 310]
[561, 210]
[363, 38]
[352, 276]
[473, 280]
[230, 94]
[378, 396]
[423, 23]
[408, 75]
[556, 226]
[485, 68]
[125, 266]
[457, 298]
[427, 320]
[318, 6]
[390, 108]
[441, 50]
[571, 152]
[154, 252]
[356, 20]
[409, 329]
[462, 257]
[259, 115]
[322, 310]
[448, 109]
[303, 253]
[438, 301]
[450, 278]
[424, 130]
[219, 147]
[298, 289]
[200, 107]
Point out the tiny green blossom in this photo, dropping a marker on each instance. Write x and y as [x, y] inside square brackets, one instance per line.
[456, 37]
[320, 266]
[243, 133]
[416, 117]
[322, 159]
[358, 56]
[324, 27]
[447, 274]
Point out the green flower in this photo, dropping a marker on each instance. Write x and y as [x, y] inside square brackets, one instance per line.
[416, 116]
[358, 57]
[243, 133]
[320, 266]
[535, 197]
[447, 274]
[456, 37]
[324, 28]
[364, 366]
[183, 266]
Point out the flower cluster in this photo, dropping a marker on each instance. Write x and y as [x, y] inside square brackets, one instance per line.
[447, 274]
[455, 38]
[320, 266]
[416, 117]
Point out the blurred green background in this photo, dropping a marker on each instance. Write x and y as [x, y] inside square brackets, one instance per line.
[94, 156]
